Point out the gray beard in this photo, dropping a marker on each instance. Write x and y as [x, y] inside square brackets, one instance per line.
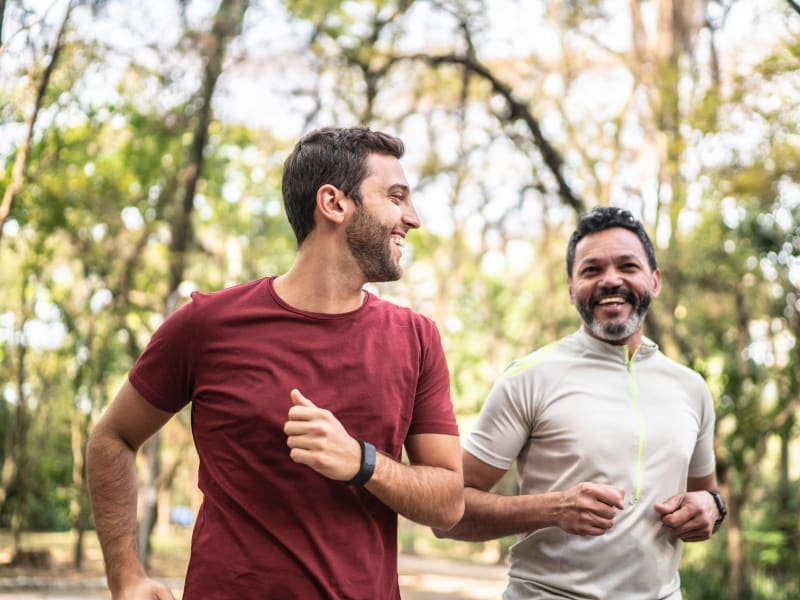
[614, 332]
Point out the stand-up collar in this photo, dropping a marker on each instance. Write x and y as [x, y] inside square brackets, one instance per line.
[647, 347]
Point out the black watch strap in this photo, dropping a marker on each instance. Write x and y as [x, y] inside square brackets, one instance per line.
[721, 508]
[368, 457]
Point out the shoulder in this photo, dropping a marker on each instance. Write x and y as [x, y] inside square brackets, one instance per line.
[236, 293]
[241, 290]
[548, 359]
[680, 371]
[237, 303]
[683, 376]
[401, 316]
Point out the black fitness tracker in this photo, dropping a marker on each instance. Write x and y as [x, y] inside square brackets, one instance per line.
[720, 507]
[367, 464]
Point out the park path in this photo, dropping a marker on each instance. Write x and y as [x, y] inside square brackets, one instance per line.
[420, 579]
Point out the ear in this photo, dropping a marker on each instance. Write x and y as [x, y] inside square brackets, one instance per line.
[656, 283]
[571, 291]
[332, 205]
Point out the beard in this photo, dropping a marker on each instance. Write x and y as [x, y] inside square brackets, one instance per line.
[614, 332]
[370, 242]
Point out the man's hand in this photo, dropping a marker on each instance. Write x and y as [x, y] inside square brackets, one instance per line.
[689, 516]
[144, 589]
[318, 440]
[589, 508]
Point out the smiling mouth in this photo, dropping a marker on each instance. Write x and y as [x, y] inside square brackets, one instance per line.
[398, 241]
[611, 300]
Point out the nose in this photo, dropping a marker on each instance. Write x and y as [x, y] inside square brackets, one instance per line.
[410, 216]
[611, 278]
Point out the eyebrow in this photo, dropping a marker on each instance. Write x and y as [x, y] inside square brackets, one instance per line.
[634, 257]
[399, 187]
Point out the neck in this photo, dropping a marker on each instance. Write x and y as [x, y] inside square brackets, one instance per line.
[315, 283]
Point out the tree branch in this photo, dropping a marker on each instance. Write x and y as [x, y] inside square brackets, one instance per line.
[227, 25]
[18, 171]
[517, 111]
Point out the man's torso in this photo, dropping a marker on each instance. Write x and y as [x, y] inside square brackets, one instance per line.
[267, 524]
[585, 413]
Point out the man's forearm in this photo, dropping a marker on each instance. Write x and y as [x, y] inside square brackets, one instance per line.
[112, 488]
[432, 496]
[490, 516]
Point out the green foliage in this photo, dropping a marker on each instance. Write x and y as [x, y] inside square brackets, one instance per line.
[712, 168]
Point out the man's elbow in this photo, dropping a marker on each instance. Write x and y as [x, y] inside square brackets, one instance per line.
[444, 533]
[450, 515]
[96, 446]
[449, 529]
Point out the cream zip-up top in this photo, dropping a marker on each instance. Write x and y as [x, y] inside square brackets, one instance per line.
[585, 410]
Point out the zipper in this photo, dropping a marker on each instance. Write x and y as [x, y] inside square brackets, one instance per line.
[635, 402]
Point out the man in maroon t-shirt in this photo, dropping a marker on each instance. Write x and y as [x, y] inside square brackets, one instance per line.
[304, 390]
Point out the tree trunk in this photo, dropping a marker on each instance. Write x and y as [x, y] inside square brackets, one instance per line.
[16, 454]
[79, 504]
[227, 25]
[2, 19]
[20, 453]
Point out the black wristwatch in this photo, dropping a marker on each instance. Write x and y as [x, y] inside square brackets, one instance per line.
[367, 468]
[720, 507]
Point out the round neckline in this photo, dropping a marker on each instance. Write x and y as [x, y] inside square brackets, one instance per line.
[315, 315]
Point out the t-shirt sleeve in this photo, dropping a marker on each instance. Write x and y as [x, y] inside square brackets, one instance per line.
[433, 408]
[503, 427]
[703, 461]
[164, 375]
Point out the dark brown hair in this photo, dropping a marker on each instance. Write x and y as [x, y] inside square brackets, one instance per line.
[331, 155]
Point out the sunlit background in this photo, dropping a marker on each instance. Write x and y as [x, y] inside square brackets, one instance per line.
[140, 153]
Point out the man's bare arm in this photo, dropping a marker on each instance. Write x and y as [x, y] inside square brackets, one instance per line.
[110, 456]
[586, 509]
[429, 491]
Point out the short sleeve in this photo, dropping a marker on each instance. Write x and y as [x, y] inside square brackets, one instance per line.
[164, 374]
[703, 461]
[503, 426]
[433, 408]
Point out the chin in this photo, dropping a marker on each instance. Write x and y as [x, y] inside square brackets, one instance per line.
[386, 277]
[617, 332]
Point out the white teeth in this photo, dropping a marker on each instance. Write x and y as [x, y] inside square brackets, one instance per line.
[398, 241]
[612, 300]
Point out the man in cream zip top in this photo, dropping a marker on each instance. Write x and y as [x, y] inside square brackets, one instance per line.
[613, 440]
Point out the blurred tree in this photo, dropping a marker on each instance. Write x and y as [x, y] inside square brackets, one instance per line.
[17, 456]
[516, 116]
[41, 84]
[226, 26]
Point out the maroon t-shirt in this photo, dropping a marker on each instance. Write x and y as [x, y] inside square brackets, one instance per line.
[269, 528]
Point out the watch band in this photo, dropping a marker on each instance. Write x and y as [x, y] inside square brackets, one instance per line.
[721, 508]
[367, 468]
